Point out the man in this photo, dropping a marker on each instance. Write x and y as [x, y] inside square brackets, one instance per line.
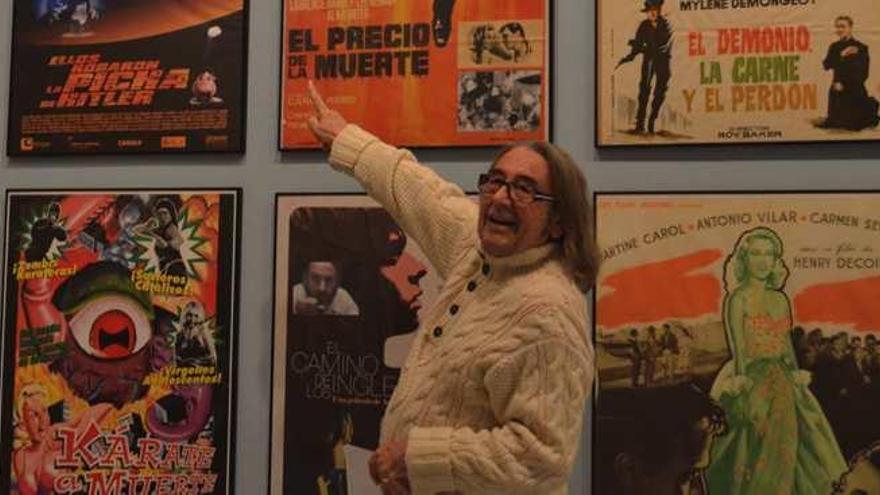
[45, 233]
[872, 361]
[80, 11]
[492, 395]
[650, 354]
[441, 24]
[838, 387]
[849, 106]
[857, 355]
[654, 41]
[515, 40]
[656, 442]
[506, 44]
[167, 238]
[635, 356]
[668, 353]
[320, 293]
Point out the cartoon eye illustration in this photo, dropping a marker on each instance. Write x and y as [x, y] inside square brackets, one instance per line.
[111, 327]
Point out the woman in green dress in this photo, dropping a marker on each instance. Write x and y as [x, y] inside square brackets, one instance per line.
[778, 440]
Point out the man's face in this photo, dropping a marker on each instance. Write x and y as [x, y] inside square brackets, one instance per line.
[842, 28]
[322, 281]
[506, 227]
[405, 274]
[653, 13]
[206, 84]
[164, 216]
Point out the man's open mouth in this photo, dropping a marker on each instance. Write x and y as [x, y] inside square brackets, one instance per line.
[502, 221]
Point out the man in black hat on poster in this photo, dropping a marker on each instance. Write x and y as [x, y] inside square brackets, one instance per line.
[654, 41]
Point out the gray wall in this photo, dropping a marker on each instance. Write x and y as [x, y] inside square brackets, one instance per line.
[263, 171]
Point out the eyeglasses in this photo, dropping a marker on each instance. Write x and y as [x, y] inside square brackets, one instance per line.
[519, 191]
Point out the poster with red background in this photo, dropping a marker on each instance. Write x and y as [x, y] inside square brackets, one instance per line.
[119, 342]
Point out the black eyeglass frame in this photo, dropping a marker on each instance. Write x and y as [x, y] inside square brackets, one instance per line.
[536, 196]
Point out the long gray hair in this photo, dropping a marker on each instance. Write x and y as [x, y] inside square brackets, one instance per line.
[573, 209]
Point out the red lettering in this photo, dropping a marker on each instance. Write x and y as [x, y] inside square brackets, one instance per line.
[73, 445]
[100, 485]
[76, 81]
[118, 451]
[150, 449]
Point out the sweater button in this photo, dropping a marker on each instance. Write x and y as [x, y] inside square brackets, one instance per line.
[471, 286]
[438, 331]
[453, 309]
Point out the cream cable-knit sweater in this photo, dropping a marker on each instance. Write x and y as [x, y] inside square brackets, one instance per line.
[491, 398]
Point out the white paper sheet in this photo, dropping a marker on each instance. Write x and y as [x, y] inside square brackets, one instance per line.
[358, 471]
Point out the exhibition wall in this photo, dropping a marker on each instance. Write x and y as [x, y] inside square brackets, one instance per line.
[263, 171]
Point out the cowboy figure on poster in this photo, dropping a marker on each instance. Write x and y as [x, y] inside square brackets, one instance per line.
[653, 40]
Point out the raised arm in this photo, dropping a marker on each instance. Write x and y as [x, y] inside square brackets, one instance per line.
[432, 211]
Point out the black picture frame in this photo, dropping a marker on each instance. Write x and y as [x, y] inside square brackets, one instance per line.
[549, 109]
[595, 427]
[228, 287]
[277, 448]
[48, 146]
[683, 144]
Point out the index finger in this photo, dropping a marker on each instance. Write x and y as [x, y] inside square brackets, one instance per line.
[320, 106]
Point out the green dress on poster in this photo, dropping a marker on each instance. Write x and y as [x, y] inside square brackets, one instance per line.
[778, 440]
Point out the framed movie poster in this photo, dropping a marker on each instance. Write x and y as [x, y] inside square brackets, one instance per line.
[737, 343]
[425, 73]
[127, 76]
[349, 292]
[736, 71]
[119, 341]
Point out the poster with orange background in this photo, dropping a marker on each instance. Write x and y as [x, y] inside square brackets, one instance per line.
[426, 73]
[729, 325]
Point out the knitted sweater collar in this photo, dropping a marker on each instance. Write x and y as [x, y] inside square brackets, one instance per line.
[519, 262]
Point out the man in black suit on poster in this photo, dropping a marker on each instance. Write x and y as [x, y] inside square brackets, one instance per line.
[653, 41]
[849, 106]
[442, 22]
